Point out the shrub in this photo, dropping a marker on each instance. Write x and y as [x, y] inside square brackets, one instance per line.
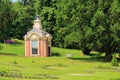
[9, 41]
[17, 41]
[13, 41]
[114, 61]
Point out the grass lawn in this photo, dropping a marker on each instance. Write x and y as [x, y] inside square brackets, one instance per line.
[57, 67]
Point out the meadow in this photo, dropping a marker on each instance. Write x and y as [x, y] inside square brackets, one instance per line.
[14, 66]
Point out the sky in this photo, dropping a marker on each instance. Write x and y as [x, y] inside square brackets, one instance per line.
[14, 0]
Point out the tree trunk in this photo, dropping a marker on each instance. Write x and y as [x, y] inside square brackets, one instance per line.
[108, 53]
[108, 50]
[86, 51]
[108, 56]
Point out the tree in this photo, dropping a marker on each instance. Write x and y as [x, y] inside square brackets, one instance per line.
[61, 28]
[73, 21]
[5, 19]
[23, 19]
[106, 19]
[97, 23]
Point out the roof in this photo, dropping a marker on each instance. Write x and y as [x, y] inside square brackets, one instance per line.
[37, 29]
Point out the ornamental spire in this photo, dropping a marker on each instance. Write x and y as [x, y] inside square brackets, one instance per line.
[37, 22]
[37, 17]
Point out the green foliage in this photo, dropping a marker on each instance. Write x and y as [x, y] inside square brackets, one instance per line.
[5, 19]
[75, 16]
[72, 40]
[17, 41]
[106, 20]
[23, 20]
[114, 61]
[93, 20]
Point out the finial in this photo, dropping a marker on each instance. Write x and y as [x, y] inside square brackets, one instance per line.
[37, 17]
[37, 22]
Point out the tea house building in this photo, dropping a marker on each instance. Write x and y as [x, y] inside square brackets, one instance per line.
[37, 41]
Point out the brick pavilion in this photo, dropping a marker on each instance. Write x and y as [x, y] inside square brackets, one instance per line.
[37, 41]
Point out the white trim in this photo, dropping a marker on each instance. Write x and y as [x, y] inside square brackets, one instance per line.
[30, 48]
[44, 47]
[38, 48]
[49, 43]
[41, 48]
[25, 48]
[50, 47]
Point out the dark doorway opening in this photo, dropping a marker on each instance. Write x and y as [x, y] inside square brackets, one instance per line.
[48, 50]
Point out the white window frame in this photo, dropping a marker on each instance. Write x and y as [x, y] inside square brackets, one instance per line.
[31, 48]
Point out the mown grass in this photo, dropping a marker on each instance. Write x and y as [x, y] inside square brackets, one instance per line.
[57, 67]
[12, 49]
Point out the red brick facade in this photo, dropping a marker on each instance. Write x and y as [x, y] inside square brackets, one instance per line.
[42, 48]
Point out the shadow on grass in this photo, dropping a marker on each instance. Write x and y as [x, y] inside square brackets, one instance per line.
[118, 59]
[14, 45]
[9, 54]
[115, 79]
[1, 47]
[92, 58]
[56, 54]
